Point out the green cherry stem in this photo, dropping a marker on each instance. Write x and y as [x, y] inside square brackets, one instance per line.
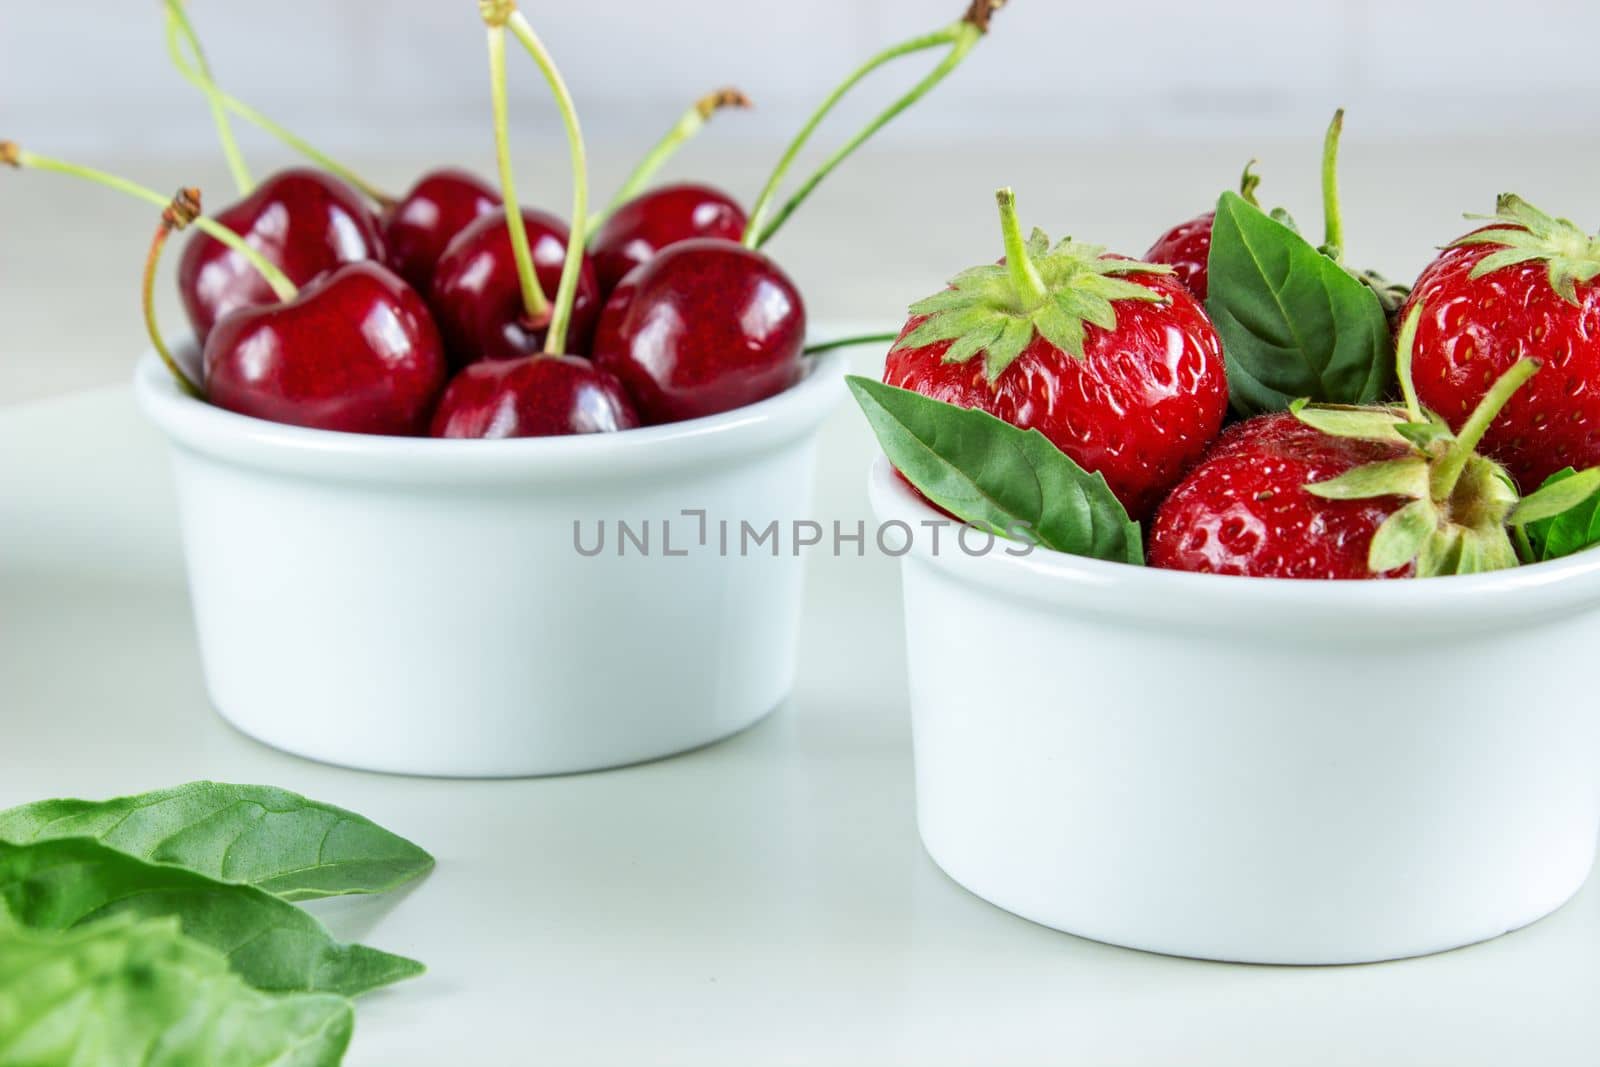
[769, 192]
[555, 338]
[1024, 275]
[184, 209]
[960, 36]
[199, 73]
[851, 342]
[1446, 472]
[180, 31]
[1332, 220]
[534, 303]
[688, 124]
[13, 155]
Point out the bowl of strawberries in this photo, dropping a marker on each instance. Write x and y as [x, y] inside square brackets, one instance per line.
[456, 476]
[1257, 640]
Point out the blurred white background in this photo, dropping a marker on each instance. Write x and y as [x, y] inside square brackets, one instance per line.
[1112, 120]
[379, 74]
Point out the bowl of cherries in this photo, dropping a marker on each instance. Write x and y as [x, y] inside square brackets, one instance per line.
[455, 475]
[1281, 575]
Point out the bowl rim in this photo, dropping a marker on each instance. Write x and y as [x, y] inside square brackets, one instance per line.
[245, 440]
[1166, 598]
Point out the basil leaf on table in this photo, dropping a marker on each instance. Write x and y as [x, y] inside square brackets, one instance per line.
[137, 993]
[1293, 322]
[273, 945]
[986, 471]
[295, 848]
[1571, 531]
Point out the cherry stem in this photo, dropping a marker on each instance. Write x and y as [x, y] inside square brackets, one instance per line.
[12, 154]
[1024, 275]
[555, 338]
[1404, 346]
[534, 303]
[199, 73]
[961, 36]
[688, 124]
[851, 342]
[183, 209]
[1448, 470]
[1332, 221]
[200, 77]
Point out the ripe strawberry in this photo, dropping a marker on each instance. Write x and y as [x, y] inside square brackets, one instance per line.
[1348, 492]
[1111, 359]
[1524, 286]
[1186, 248]
[1246, 509]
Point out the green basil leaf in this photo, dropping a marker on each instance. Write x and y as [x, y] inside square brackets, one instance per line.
[1293, 322]
[1571, 531]
[271, 838]
[273, 945]
[131, 993]
[986, 471]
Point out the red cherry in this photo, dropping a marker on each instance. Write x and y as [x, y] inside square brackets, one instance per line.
[535, 396]
[356, 351]
[706, 326]
[477, 298]
[304, 221]
[419, 228]
[652, 221]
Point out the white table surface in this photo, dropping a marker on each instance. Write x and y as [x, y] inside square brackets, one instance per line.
[761, 901]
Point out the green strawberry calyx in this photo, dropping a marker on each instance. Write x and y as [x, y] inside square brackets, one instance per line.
[1462, 507]
[1527, 235]
[1056, 293]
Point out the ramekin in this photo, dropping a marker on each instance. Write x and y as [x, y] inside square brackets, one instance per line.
[421, 606]
[1248, 769]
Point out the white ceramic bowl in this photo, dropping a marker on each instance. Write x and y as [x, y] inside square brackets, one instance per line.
[419, 606]
[1245, 769]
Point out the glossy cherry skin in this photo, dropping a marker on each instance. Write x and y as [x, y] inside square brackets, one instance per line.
[535, 396]
[356, 351]
[419, 228]
[477, 298]
[706, 326]
[654, 220]
[304, 221]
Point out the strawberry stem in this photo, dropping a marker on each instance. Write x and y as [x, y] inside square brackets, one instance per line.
[555, 338]
[688, 124]
[1447, 471]
[199, 75]
[14, 155]
[1025, 277]
[535, 305]
[184, 209]
[961, 36]
[1524, 545]
[1404, 347]
[1249, 182]
[1332, 220]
